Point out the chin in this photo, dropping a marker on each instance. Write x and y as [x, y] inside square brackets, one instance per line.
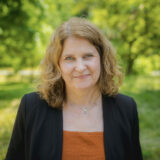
[84, 86]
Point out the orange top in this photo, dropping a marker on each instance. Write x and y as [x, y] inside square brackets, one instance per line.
[83, 146]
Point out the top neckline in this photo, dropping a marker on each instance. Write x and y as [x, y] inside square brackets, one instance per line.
[83, 132]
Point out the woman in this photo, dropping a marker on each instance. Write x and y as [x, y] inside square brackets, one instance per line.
[77, 112]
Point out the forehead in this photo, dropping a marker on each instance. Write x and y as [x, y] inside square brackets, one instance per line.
[74, 45]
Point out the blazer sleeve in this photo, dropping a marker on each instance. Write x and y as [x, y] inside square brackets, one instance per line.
[16, 149]
[137, 152]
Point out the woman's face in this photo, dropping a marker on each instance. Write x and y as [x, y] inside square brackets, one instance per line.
[79, 63]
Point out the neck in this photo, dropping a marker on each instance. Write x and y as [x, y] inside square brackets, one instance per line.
[82, 97]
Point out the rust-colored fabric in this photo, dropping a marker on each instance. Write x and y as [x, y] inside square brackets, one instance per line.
[83, 145]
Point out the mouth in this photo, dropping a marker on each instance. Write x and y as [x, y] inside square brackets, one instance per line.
[82, 76]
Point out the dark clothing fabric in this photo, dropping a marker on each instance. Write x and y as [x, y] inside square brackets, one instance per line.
[38, 130]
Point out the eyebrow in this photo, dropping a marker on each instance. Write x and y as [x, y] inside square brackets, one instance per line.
[69, 54]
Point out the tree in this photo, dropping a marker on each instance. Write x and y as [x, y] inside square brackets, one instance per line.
[18, 32]
[131, 25]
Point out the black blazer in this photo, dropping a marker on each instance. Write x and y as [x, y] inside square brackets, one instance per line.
[38, 130]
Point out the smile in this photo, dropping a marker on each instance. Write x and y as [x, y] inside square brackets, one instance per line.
[82, 76]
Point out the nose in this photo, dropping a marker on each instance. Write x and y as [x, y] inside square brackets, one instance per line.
[80, 65]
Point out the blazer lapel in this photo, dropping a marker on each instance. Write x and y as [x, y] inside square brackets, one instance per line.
[107, 105]
[59, 134]
[115, 130]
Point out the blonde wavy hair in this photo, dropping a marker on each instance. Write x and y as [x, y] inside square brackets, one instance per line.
[52, 87]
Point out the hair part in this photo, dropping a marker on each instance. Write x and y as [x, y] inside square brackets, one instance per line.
[52, 87]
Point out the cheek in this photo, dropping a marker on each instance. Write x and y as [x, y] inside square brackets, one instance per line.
[66, 68]
[96, 69]
[95, 65]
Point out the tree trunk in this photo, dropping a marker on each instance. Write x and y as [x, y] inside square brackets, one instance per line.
[129, 68]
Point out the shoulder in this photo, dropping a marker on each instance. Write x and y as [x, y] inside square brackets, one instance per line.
[35, 108]
[120, 99]
[123, 104]
[32, 102]
[33, 98]
[126, 103]
[124, 99]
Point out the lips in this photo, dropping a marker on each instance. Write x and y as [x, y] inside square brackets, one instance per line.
[82, 76]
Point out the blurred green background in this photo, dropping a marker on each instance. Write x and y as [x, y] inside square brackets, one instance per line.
[133, 28]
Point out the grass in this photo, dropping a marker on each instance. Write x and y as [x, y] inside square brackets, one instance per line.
[146, 92]
[10, 94]
[144, 89]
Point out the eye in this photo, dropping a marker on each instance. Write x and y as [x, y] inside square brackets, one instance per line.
[88, 56]
[68, 58]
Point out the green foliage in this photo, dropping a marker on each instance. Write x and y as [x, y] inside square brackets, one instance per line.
[145, 65]
[131, 25]
[26, 27]
[18, 32]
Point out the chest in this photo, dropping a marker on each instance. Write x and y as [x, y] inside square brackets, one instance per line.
[90, 121]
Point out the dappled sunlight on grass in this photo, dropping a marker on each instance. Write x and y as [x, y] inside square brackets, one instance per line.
[7, 119]
[10, 95]
[136, 84]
